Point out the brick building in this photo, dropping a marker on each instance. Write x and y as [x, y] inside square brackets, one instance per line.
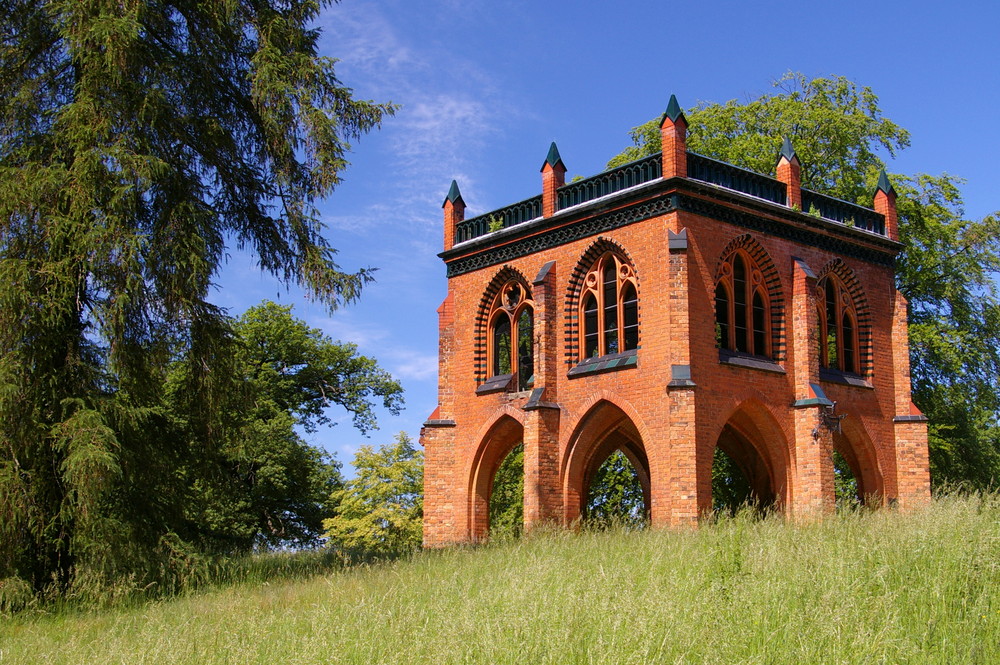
[664, 308]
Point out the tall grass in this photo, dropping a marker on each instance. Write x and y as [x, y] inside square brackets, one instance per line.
[863, 587]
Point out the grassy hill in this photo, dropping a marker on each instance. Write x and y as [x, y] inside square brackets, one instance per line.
[876, 587]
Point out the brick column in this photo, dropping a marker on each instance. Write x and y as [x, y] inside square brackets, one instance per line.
[913, 481]
[673, 135]
[553, 177]
[542, 501]
[789, 171]
[812, 488]
[437, 436]
[454, 212]
[684, 498]
[885, 204]
[547, 317]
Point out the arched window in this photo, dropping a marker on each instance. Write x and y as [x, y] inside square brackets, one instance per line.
[512, 334]
[609, 308]
[838, 328]
[742, 307]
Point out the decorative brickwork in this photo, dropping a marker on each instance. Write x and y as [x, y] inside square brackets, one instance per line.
[657, 382]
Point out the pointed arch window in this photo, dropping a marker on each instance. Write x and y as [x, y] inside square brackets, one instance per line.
[512, 335]
[742, 307]
[609, 308]
[837, 318]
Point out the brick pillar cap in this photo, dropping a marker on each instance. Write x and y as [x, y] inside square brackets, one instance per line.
[673, 112]
[454, 195]
[553, 159]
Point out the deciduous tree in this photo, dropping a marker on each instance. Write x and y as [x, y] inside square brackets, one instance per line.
[272, 488]
[380, 512]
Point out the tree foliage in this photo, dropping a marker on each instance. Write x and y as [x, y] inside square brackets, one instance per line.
[137, 139]
[946, 269]
[615, 494]
[507, 497]
[272, 488]
[380, 512]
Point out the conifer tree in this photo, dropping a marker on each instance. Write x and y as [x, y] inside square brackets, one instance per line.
[139, 139]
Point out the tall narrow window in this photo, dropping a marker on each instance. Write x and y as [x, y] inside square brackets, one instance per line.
[512, 333]
[609, 308]
[721, 316]
[591, 335]
[742, 307]
[838, 332]
[501, 344]
[525, 349]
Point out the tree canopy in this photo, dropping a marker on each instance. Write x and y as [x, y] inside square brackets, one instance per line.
[946, 270]
[137, 141]
[272, 488]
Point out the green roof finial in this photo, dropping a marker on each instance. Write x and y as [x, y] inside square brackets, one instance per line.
[553, 157]
[884, 184]
[453, 194]
[673, 111]
[787, 151]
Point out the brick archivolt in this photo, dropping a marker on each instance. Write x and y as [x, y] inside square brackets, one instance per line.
[504, 276]
[575, 290]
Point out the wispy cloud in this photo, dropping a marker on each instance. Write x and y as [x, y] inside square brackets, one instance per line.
[440, 130]
[409, 364]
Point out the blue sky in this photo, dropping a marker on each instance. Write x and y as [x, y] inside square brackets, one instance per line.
[484, 87]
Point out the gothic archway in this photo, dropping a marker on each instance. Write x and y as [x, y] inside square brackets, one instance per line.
[750, 461]
[501, 438]
[604, 429]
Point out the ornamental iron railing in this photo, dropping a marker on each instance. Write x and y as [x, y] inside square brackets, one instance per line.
[732, 177]
[843, 212]
[611, 181]
[512, 215]
[649, 169]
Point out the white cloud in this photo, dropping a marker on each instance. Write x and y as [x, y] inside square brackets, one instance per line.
[408, 364]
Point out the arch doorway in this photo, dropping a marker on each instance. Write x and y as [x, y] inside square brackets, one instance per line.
[607, 469]
[498, 448]
[749, 463]
[858, 479]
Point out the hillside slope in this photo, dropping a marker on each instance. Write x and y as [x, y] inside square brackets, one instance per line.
[860, 588]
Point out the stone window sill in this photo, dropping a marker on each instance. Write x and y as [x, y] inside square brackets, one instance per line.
[844, 378]
[737, 359]
[495, 384]
[609, 363]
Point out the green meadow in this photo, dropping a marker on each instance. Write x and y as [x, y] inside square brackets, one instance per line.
[860, 587]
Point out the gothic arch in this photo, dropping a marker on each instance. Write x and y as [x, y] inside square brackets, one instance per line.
[753, 438]
[505, 275]
[852, 284]
[855, 445]
[496, 440]
[771, 281]
[594, 252]
[605, 426]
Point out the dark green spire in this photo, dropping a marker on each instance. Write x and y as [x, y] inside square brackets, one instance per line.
[673, 111]
[453, 195]
[787, 151]
[884, 184]
[553, 157]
